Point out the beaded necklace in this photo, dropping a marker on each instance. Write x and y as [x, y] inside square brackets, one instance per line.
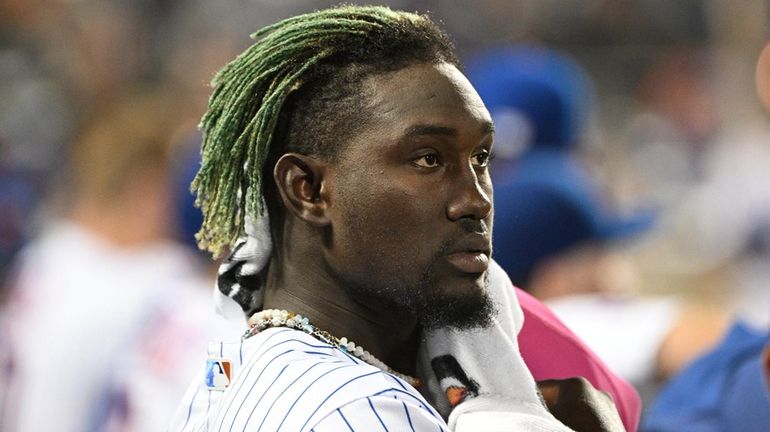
[282, 318]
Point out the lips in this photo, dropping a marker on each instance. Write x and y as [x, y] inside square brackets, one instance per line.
[469, 262]
[470, 255]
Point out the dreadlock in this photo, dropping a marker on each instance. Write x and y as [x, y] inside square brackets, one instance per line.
[297, 88]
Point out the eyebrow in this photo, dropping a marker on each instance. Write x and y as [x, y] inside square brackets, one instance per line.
[422, 130]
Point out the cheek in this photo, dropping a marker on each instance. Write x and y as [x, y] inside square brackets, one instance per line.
[387, 215]
[389, 222]
[489, 190]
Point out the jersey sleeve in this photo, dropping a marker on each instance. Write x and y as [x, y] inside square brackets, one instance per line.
[382, 413]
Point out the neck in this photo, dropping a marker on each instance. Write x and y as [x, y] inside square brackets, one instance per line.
[312, 291]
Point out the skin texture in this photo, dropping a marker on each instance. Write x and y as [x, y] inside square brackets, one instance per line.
[394, 234]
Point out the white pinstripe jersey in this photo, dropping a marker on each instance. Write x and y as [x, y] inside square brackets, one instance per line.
[286, 380]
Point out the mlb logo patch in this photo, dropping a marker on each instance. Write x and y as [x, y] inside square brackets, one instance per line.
[219, 373]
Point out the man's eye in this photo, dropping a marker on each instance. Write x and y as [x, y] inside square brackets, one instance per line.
[481, 159]
[427, 161]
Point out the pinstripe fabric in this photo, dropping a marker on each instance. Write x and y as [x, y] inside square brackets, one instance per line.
[286, 380]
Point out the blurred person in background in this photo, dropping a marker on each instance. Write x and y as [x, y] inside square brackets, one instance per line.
[540, 100]
[106, 313]
[188, 217]
[675, 125]
[555, 227]
[19, 197]
[712, 234]
[728, 388]
[708, 177]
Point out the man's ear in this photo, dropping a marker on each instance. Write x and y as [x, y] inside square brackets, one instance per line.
[300, 181]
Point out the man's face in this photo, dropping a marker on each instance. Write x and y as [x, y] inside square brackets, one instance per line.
[411, 199]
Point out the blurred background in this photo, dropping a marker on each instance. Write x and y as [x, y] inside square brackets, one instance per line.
[653, 103]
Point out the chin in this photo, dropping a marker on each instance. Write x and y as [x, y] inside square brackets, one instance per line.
[460, 285]
[462, 306]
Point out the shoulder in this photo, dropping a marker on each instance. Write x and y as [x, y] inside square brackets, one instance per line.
[287, 380]
[388, 411]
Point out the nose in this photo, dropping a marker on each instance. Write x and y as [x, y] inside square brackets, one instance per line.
[471, 197]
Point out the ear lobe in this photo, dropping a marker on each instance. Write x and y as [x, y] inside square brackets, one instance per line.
[299, 179]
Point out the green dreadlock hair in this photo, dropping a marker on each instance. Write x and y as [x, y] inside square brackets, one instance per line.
[254, 111]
